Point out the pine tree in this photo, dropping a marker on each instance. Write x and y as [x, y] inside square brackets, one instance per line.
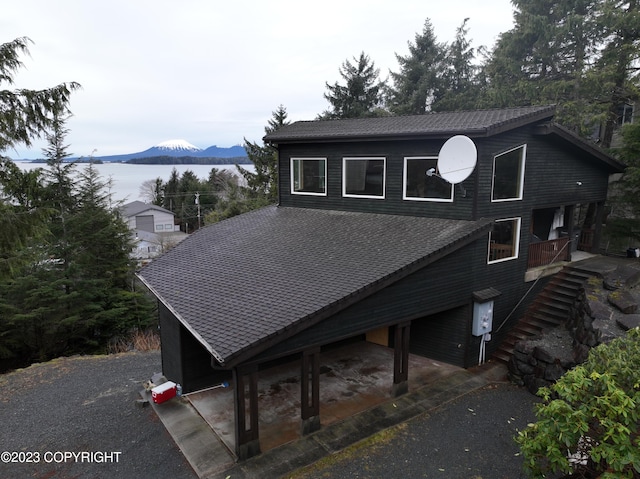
[262, 186]
[460, 87]
[26, 114]
[580, 55]
[360, 96]
[418, 84]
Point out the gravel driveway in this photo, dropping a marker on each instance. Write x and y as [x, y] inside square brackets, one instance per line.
[469, 438]
[77, 418]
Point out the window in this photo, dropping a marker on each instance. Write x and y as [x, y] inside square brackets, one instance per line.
[504, 240]
[308, 176]
[159, 227]
[363, 177]
[420, 185]
[508, 175]
[168, 227]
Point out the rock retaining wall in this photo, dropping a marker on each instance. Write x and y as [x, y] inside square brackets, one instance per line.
[597, 315]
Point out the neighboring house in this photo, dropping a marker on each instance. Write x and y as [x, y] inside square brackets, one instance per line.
[152, 218]
[153, 229]
[368, 244]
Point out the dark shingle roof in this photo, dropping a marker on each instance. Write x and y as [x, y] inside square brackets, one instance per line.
[238, 284]
[476, 123]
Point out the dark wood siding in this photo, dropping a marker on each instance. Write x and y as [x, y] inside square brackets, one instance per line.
[394, 153]
[553, 169]
[171, 345]
[442, 336]
[552, 173]
[444, 286]
[184, 360]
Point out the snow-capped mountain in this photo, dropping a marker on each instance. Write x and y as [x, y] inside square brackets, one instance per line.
[179, 149]
[177, 145]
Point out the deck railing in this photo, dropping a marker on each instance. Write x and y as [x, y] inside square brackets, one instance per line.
[547, 252]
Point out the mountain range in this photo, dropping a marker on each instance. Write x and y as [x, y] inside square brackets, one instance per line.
[177, 149]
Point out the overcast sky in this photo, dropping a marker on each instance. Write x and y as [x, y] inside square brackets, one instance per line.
[212, 72]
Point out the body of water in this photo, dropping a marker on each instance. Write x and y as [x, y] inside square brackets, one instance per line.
[127, 178]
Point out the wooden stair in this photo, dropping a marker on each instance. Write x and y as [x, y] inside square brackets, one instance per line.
[548, 310]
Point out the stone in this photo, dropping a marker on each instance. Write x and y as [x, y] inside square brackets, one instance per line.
[580, 353]
[624, 301]
[629, 321]
[598, 309]
[542, 353]
[622, 277]
[553, 372]
[607, 330]
[533, 383]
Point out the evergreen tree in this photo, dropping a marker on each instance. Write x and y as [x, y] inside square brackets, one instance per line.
[262, 186]
[616, 80]
[580, 55]
[419, 82]
[460, 87]
[77, 291]
[26, 114]
[362, 93]
[624, 224]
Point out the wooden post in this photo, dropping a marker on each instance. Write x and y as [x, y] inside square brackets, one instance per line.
[597, 230]
[246, 404]
[401, 359]
[568, 217]
[310, 391]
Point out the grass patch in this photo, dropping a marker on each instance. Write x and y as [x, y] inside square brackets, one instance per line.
[146, 340]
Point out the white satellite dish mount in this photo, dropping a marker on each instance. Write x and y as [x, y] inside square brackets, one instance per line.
[457, 159]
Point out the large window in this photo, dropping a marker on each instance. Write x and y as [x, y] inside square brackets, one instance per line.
[420, 182]
[504, 240]
[508, 175]
[308, 176]
[363, 177]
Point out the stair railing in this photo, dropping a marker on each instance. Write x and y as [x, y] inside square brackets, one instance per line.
[532, 286]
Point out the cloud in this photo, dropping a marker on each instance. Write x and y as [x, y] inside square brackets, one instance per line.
[213, 72]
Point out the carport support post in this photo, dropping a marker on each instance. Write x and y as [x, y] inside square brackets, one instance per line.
[401, 360]
[310, 391]
[247, 440]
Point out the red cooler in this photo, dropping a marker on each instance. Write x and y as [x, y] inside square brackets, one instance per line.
[164, 392]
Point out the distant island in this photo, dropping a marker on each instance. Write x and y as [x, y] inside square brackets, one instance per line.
[173, 152]
[160, 160]
[188, 160]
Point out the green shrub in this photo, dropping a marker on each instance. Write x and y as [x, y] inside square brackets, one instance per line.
[589, 420]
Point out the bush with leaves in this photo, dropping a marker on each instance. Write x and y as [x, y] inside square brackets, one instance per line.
[589, 421]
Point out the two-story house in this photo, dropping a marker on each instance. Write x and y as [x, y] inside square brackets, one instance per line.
[370, 243]
[153, 229]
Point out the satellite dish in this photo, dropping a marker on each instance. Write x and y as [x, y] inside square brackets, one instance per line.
[457, 159]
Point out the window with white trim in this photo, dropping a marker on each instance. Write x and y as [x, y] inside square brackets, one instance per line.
[508, 175]
[363, 177]
[421, 183]
[309, 176]
[504, 240]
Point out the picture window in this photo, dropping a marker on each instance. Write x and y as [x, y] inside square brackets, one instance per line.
[309, 176]
[422, 184]
[363, 177]
[508, 175]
